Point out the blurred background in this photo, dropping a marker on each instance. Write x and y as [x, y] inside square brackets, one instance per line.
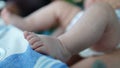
[25, 7]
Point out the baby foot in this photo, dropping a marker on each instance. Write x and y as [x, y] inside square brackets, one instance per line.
[33, 39]
[47, 45]
[10, 18]
[5, 15]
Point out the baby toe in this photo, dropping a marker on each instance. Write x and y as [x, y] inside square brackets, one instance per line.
[37, 45]
[26, 33]
[33, 40]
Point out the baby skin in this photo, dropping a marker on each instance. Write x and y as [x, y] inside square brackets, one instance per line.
[47, 45]
[114, 3]
[98, 30]
[102, 35]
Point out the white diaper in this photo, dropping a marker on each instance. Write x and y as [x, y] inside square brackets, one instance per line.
[88, 52]
[118, 13]
[74, 20]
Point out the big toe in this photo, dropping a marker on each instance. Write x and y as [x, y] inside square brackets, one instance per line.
[26, 33]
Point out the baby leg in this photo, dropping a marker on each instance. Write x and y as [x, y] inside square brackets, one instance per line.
[98, 26]
[60, 13]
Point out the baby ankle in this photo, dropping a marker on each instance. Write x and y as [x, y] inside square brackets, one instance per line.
[65, 51]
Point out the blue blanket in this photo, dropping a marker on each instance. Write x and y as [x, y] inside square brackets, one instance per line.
[15, 51]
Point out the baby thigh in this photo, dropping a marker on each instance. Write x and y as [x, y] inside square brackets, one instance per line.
[111, 36]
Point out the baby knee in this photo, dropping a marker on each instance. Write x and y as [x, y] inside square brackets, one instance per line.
[103, 7]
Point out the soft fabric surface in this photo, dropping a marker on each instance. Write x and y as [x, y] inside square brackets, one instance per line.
[15, 51]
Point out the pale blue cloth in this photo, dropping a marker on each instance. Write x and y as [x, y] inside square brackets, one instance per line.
[15, 51]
